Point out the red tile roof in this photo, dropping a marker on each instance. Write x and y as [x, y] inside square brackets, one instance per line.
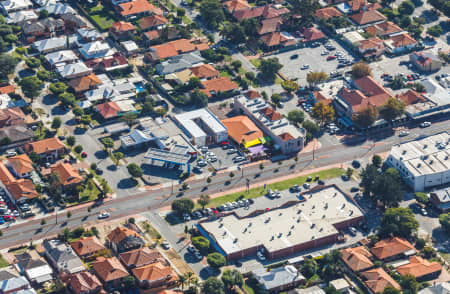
[11, 116]
[87, 245]
[109, 269]
[205, 71]
[5, 175]
[84, 282]
[108, 109]
[327, 13]
[176, 47]
[371, 44]
[136, 7]
[402, 40]
[155, 272]
[219, 85]
[152, 35]
[266, 12]
[358, 258]
[370, 87]
[391, 247]
[241, 128]
[7, 89]
[120, 233]
[67, 174]
[357, 5]
[377, 279]
[252, 94]
[384, 28]
[22, 188]
[84, 83]
[286, 137]
[275, 39]
[140, 257]
[122, 26]
[312, 34]
[367, 17]
[45, 145]
[271, 114]
[235, 5]
[419, 267]
[270, 25]
[411, 97]
[152, 21]
[21, 163]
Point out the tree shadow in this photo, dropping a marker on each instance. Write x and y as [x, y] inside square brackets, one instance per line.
[59, 110]
[101, 154]
[112, 167]
[127, 183]
[49, 99]
[79, 131]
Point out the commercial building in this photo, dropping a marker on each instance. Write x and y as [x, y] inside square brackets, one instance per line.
[425, 61]
[423, 163]
[441, 199]
[313, 221]
[286, 137]
[202, 127]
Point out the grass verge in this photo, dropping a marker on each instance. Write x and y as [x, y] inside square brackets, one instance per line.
[256, 62]
[3, 262]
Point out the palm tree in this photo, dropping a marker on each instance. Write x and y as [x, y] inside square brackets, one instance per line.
[182, 281]
[189, 278]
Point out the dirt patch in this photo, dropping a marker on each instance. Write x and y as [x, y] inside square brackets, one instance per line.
[221, 109]
[177, 261]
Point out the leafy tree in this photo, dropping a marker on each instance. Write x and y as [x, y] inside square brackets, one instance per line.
[234, 33]
[33, 62]
[58, 88]
[269, 68]
[388, 188]
[393, 109]
[43, 222]
[368, 176]
[67, 98]
[129, 118]
[203, 200]
[377, 160]
[213, 286]
[331, 290]
[406, 7]
[134, 170]
[236, 64]
[276, 99]
[7, 65]
[289, 86]
[85, 119]
[108, 143]
[397, 83]
[251, 27]
[399, 222]
[118, 156]
[194, 83]
[31, 86]
[323, 113]
[129, 282]
[420, 243]
[199, 98]
[366, 117]
[78, 111]
[309, 268]
[231, 278]
[212, 13]
[421, 197]
[391, 290]
[5, 141]
[360, 70]
[43, 14]
[183, 205]
[78, 149]
[315, 77]
[311, 127]
[306, 9]
[419, 87]
[435, 30]
[69, 214]
[409, 284]
[201, 243]
[181, 12]
[405, 21]
[296, 116]
[444, 220]
[216, 260]
[43, 75]
[56, 123]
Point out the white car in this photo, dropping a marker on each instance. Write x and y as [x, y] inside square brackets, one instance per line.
[260, 256]
[403, 134]
[305, 66]
[103, 215]
[425, 124]
[239, 159]
[165, 244]
[325, 53]
[201, 163]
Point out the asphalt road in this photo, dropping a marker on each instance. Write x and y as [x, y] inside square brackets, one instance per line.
[146, 201]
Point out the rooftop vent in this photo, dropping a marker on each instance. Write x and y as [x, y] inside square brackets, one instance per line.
[419, 164]
[431, 161]
[404, 152]
[235, 240]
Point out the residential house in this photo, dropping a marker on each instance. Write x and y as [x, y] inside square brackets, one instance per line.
[398, 44]
[241, 129]
[420, 268]
[179, 63]
[50, 45]
[16, 135]
[21, 190]
[252, 94]
[110, 272]
[309, 290]
[73, 70]
[341, 285]
[153, 22]
[67, 174]
[89, 35]
[11, 117]
[260, 12]
[219, 86]
[122, 30]
[155, 275]
[36, 269]
[180, 77]
[83, 84]
[270, 25]
[205, 72]
[62, 257]
[232, 6]
[122, 239]
[378, 279]
[48, 149]
[111, 62]
[441, 199]
[61, 58]
[393, 248]
[73, 22]
[129, 47]
[151, 37]
[9, 89]
[174, 48]
[11, 284]
[84, 283]
[275, 40]
[5, 176]
[411, 97]
[370, 17]
[85, 247]
[137, 8]
[19, 17]
[21, 165]
[327, 12]
[108, 110]
[43, 3]
[58, 9]
[373, 47]
[96, 49]
[357, 258]
[312, 35]
[140, 257]
[8, 6]
[384, 29]
[279, 279]
[437, 288]
[425, 61]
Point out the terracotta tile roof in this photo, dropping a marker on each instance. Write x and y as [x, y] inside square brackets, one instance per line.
[84, 83]
[391, 247]
[173, 48]
[252, 94]
[357, 5]
[152, 21]
[205, 71]
[286, 137]
[366, 17]
[122, 27]
[22, 188]
[357, 258]
[235, 5]
[140, 257]
[411, 97]
[265, 11]
[312, 34]
[357, 100]
[136, 7]
[87, 245]
[11, 116]
[66, 173]
[109, 269]
[275, 39]
[419, 267]
[120, 233]
[271, 114]
[384, 28]
[155, 272]
[108, 109]
[270, 25]
[321, 98]
[5, 175]
[377, 279]
[84, 282]
[152, 35]
[327, 13]
[370, 87]
[371, 44]
[219, 85]
[402, 40]
[21, 163]
[7, 89]
[45, 145]
[241, 128]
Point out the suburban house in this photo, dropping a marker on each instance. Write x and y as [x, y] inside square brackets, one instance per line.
[441, 199]
[122, 239]
[179, 63]
[67, 174]
[279, 279]
[153, 22]
[275, 40]
[85, 247]
[9, 6]
[384, 29]
[20, 17]
[365, 18]
[11, 116]
[357, 258]
[48, 149]
[73, 70]
[378, 279]
[108, 110]
[437, 288]
[21, 190]
[174, 48]
[373, 47]
[205, 72]
[62, 257]
[83, 84]
[398, 44]
[420, 268]
[61, 58]
[140, 257]
[242, 129]
[96, 49]
[122, 30]
[11, 284]
[129, 47]
[84, 283]
[110, 62]
[219, 86]
[17, 135]
[73, 22]
[21, 165]
[312, 35]
[110, 272]
[327, 13]
[50, 45]
[260, 12]
[425, 61]
[393, 248]
[35, 268]
[133, 9]
[155, 275]
[235, 5]
[89, 35]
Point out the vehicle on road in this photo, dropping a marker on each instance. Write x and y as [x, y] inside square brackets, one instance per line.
[165, 244]
[294, 56]
[103, 215]
[425, 124]
[305, 66]
[403, 134]
[331, 57]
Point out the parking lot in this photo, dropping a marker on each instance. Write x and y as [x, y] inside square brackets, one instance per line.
[292, 67]
[218, 157]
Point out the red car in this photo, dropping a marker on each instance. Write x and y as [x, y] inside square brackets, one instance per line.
[84, 154]
[9, 218]
[331, 57]
[225, 143]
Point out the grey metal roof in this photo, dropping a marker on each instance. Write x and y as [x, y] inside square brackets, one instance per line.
[13, 284]
[439, 288]
[63, 256]
[50, 44]
[277, 277]
[73, 69]
[167, 156]
[179, 62]
[58, 9]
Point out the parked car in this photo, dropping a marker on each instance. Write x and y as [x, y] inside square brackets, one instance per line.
[352, 231]
[403, 134]
[103, 215]
[306, 185]
[425, 124]
[331, 57]
[305, 66]
[165, 244]
[260, 256]
[198, 255]
[294, 56]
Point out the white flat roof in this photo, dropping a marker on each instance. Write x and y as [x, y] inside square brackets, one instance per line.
[285, 227]
[425, 156]
[209, 119]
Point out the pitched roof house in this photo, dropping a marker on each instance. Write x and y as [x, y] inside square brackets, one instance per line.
[48, 149]
[377, 279]
[108, 110]
[205, 71]
[122, 239]
[62, 257]
[383, 29]
[276, 40]
[392, 248]
[140, 257]
[327, 13]
[110, 271]
[235, 5]
[87, 246]
[136, 8]
[122, 30]
[35, 269]
[242, 129]
[400, 43]
[84, 283]
[262, 12]
[11, 116]
[312, 34]
[10, 284]
[21, 165]
[357, 258]
[17, 135]
[83, 84]
[22, 190]
[67, 174]
[367, 17]
[174, 48]
[420, 268]
[218, 85]
[425, 61]
[371, 47]
[153, 22]
[155, 275]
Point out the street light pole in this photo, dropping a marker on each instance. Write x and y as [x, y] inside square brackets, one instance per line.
[56, 210]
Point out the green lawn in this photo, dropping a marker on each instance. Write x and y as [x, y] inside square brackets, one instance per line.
[283, 185]
[256, 62]
[224, 73]
[248, 289]
[102, 16]
[186, 20]
[3, 262]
